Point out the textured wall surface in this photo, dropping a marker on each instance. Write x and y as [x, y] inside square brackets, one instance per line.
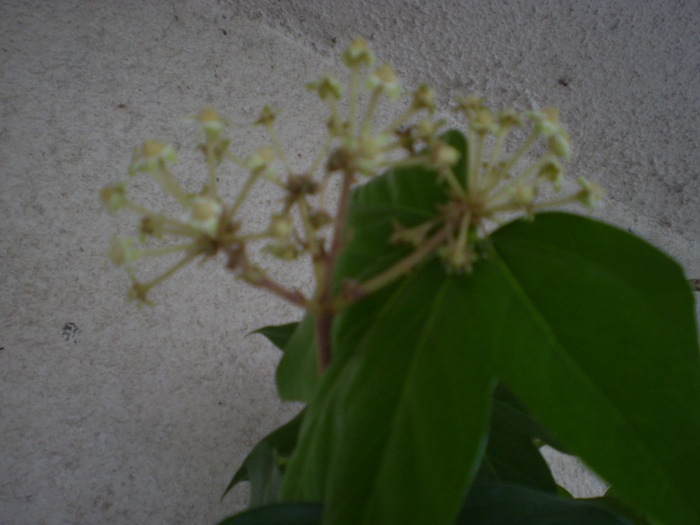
[143, 416]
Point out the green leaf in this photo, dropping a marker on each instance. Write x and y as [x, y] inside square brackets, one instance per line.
[297, 373]
[600, 343]
[503, 504]
[281, 514]
[263, 468]
[591, 327]
[511, 455]
[397, 431]
[407, 195]
[278, 335]
[398, 426]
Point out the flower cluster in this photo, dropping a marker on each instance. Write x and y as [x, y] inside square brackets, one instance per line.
[494, 186]
[209, 225]
[354, 148]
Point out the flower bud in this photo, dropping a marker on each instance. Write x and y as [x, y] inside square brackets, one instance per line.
[114, 197]
[120, 251]
[552, 171]
[590, 194]
[267, 117]
[424, 98]
[150, 156]
[444, 156]
[327, 86]
[205, 213]
[357, 53]
[384, 78]
[210, 122]
[262, 161]
[280, 226]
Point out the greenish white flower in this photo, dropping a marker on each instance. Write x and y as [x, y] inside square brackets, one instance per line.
[424, 98]
[114, 197]
[209, 121]
[120, 251]
[151, 156]
[327, 87]
[263, 160]
[358, 53]
[590, 194]
[384, 78]
[205, 213]
[280, 226]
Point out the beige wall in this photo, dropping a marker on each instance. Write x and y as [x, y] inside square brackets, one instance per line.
[145, 417]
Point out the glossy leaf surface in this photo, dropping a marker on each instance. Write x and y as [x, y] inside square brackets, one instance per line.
[297, 374]
[608, 354]
[278, 335]
[503, 504]
[591, 327]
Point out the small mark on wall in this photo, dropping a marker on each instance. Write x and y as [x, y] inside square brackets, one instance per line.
[70, 332]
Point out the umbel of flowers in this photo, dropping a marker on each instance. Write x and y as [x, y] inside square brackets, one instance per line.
[356, 147]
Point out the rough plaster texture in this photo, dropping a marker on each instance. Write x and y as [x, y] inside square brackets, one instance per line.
[144, 416]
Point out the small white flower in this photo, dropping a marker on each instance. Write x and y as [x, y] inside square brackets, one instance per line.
[205, 213]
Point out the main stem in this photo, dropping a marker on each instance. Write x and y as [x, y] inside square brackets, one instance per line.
[326, 308]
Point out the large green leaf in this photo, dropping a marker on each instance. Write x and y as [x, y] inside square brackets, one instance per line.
[397, 430]
[607, 356]
[278, 335]
[264, 465]
[297, 374]
[409, 196]
[591, 327]
[398, 426]
[504, 504]
[511, 455]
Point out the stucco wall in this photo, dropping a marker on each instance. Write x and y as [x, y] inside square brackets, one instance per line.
[145, 415]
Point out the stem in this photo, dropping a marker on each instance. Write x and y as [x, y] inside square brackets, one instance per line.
[256, 277]
[211, 166]
[405, 265]
[169, 184]
[172, 270]
[236, 159]
[521, 178]
[400, 120]
[526, 146]
[352, 104]
[293, 296]
[321, 155]
[157, 252]
[367, 120]
[241, 196]
[477, 162]
[324, 318]
[278, 148]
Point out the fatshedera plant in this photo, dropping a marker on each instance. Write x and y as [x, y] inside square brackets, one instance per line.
[455, 326]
